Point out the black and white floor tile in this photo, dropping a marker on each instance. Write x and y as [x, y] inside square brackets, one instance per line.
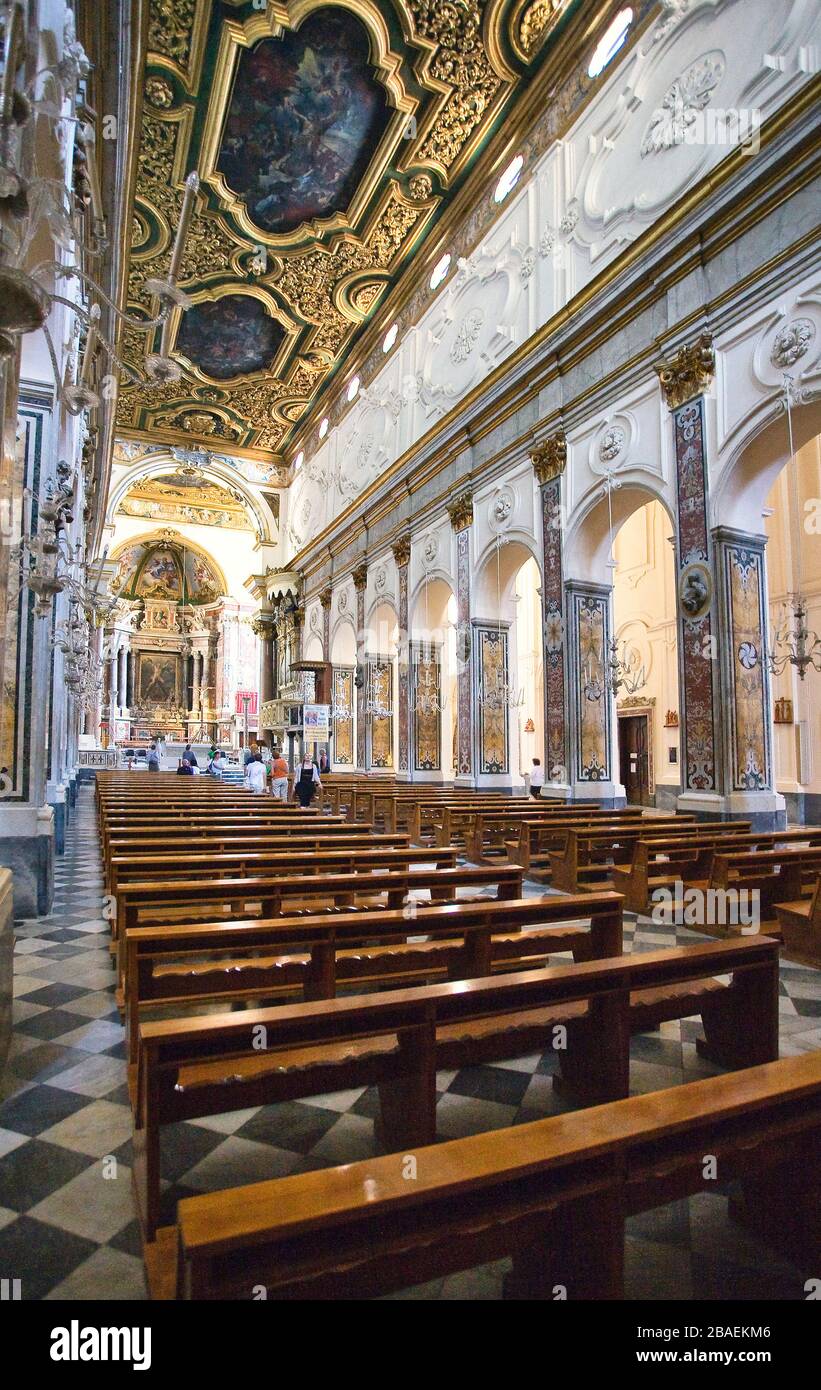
[68, 1225]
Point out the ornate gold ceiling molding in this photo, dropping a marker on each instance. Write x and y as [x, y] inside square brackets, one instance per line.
[450, 76]
[532, 23]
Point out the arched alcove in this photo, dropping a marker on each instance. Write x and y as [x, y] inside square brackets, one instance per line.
[508, 645]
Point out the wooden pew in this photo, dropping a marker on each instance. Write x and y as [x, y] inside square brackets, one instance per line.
[143, 847]
[396, 1040]
[588, 855]
[553, 1194]
[778, 875]
[186, 966]
[667, 860]
[800, 923]
[147, 903]
[256, 863]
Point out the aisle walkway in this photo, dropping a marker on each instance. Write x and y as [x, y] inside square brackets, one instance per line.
[67, 1217]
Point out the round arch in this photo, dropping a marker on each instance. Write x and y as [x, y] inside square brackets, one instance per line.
[167, 535]
[343, 642]
[220, 473]
[755, 463]
[590, 536]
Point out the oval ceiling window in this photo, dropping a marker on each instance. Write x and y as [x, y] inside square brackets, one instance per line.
[509, 179]
[390, 337]
[440, 270]
[610, 43]
[299, 460]
[353, 388]
[323, 428]
[306, 117]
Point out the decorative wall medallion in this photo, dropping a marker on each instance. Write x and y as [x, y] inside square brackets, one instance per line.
[500, 511]
[380, 579]
[568, 222]
[314, 619]
[528, 265]
[430, 548]
[695, 590]
[682, 102]
[611, 443]
[467, 337]
[547, 241]
[792, 343]
[342, 601]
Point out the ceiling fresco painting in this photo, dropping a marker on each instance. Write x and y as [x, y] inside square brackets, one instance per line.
[166, 570]
[229, 337]
[180, 497]
[305, 120]
[329, 139]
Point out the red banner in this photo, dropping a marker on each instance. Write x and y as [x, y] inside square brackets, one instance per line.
[251, 696]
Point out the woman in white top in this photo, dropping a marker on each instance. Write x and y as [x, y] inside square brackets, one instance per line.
[255, 775]
[536, 778]
[307, 782]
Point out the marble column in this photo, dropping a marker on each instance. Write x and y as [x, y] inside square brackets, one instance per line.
[197, 683]
[401, 554]
[590, 739]
[121, 678]
[461, 519]
[325, 598]
[263, 626]
[749, 778]
[360, 580]
[549, 461]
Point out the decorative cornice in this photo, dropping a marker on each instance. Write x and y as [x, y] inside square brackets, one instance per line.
[688, 372]
[326, 597]
[461, 511]
[402, 551]
[549, 458]
[360, 576]
[263, 625]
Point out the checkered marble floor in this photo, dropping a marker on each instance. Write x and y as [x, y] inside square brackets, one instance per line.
[68, 1227]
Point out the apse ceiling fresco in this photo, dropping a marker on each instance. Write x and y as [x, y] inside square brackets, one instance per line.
[165, 569]
[329, 139]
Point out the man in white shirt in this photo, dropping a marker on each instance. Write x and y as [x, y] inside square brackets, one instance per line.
[536, 778]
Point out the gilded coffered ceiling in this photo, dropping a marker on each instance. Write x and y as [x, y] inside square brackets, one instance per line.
[329, 136]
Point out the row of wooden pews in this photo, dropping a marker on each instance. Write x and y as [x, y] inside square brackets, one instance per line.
[301, 955]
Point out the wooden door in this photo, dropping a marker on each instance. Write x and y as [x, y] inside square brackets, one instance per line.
[634, 772]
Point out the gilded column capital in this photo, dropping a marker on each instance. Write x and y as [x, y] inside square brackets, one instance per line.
[402, 551]
[460, 511]
[360, 576]
[688, 373]
[326, 597]
[549, 458]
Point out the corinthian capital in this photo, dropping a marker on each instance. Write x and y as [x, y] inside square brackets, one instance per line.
[460, 511]
[549, 458]
[688, 372]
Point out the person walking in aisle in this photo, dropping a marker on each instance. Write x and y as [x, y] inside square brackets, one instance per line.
[536, 778]
[279, 777]
[308, 781]
[255, 775]
[153, 759]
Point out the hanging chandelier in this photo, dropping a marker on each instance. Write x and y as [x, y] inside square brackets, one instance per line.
[29, 201]
[793, 644]
[48, 565]
[623, 670]
[500, 693]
